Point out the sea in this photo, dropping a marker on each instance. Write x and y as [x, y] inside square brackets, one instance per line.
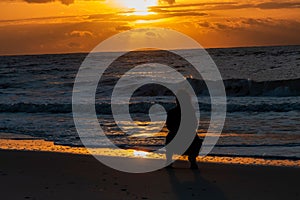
[263, 101]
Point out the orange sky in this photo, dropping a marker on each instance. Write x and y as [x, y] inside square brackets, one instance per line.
[60, 26]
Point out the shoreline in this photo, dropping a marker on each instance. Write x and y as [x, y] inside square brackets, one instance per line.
[29, 144]
[52, 175]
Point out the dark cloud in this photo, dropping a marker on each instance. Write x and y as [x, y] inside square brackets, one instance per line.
[259, 22]
[205, 5]
[82, 33]
[194, 4]
[229, 6]
[53, 38]
[61, 19]
[219, 26]
[161, 15]
[183, 14]
[180, 13]
[36, 20]
[222, 26]
[204, 24]
[66, 2]
[278, 5]
[249, 32]
[76, 37]
[251, 24]
[122, 28]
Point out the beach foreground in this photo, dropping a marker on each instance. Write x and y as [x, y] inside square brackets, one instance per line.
[46, 175]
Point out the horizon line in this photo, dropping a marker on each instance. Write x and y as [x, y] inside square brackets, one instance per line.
[65, 53]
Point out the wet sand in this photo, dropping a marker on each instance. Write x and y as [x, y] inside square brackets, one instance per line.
[33, 144]
[49, 175]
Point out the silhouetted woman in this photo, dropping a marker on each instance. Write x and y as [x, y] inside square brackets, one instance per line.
[173, 123]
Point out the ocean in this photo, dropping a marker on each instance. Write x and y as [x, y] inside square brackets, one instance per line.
[263, 101]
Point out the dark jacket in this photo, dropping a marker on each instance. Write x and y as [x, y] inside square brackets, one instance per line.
[173, 123]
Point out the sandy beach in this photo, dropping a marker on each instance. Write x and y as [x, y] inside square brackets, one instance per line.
[47, 175]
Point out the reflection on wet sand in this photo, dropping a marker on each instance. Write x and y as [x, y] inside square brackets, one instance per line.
[47, 146]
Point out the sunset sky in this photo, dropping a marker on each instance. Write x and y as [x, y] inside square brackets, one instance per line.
[60, 26]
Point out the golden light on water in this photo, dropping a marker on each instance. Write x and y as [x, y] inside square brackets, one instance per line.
[141, 154]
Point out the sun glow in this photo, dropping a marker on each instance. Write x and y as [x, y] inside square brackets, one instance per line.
[139, 7]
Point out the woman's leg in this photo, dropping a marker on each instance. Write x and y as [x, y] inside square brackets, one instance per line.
[192, 159]
[169, 156]
[169, 153]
